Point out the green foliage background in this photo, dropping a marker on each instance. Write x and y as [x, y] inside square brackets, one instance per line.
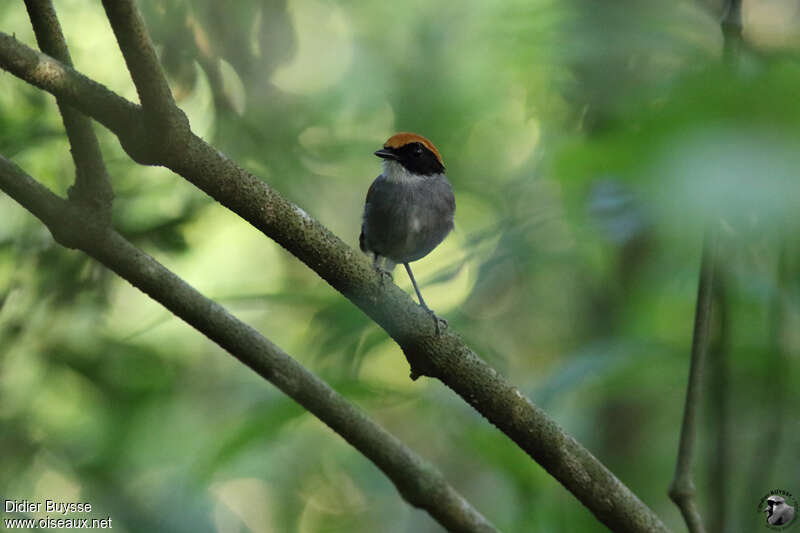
[588, 143]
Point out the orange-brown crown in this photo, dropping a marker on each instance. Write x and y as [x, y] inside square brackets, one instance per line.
[403, 138]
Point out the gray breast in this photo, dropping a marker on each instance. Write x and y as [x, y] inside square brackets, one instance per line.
[405, 219]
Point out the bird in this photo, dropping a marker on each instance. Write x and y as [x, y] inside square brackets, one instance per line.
[778, 511]
[409, 208]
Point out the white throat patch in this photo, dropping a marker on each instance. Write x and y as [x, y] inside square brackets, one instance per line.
[394, 171]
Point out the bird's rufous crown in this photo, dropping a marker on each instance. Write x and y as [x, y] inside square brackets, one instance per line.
[398, 140]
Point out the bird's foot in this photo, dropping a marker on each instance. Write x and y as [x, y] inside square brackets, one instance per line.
[384, 275]
[438, 322]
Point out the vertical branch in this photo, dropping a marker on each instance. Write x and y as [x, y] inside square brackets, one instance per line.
[719, 408]
[731, 25]
[92, 185]
[682, 490]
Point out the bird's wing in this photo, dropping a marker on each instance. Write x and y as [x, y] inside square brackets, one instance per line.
[377, 184]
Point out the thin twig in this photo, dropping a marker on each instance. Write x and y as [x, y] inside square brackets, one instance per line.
[445, 357]
[419, 482]
[682, 489]
[719, 408]
[92, 185]
[731, 24]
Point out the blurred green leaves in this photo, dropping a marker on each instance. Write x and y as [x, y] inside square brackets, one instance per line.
[718, 146]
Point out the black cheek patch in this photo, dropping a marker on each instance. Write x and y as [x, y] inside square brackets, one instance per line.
[425, 163]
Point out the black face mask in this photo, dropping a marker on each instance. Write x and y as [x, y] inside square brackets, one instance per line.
[415, 157]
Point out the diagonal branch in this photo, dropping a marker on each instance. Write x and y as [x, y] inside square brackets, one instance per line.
[445, 357]
[92, 186]
[140, 56]
[419, 482]
[65, 83]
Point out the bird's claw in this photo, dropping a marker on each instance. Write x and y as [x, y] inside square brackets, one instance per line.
[384, 274]
[437, 320]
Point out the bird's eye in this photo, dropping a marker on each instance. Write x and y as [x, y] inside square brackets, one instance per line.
[418, 151]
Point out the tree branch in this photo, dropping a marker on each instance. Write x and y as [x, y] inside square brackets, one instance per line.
[731, 24]
[75, 89]
[166, 124]
[719, 413]
[140, 56]
[445, 357]
[92, 186]
[682, 490]
[419, 482]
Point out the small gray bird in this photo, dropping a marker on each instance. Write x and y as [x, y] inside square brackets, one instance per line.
[409, 208]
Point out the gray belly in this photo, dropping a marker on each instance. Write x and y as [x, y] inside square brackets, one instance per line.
[404, 221]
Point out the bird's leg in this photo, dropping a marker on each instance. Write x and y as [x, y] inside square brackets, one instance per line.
[384, 272]
[436, 319]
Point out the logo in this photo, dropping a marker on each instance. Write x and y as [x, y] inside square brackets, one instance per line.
[779, 508]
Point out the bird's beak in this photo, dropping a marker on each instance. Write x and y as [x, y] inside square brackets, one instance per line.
[385, 153]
